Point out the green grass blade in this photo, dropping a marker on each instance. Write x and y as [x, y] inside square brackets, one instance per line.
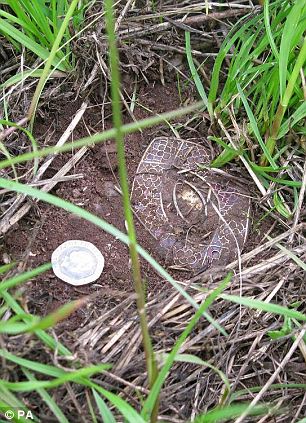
[103, 136]
[241, 26]
[194, 73]
[10, 399]
[280, 181]
[190, 358]
[125, 409]
[35, 324]
[288, 34]
[53, 318]
[92, 412]
[47, 399]
[255, 128]
[37, 14]
[268, 28]
[26, 23]
[54, 12]
[298, 67]
[6, 267]
[45, 337]
[29, 43]
[154, 393]
[26, 26]
[49, 370]
[274, 386]
[293, 257]
[297, 116]
[261, 305]
[280, 206]
[228, 153]
[12, 328]
[106, 414]
[34, 366]
[266, 169]
[34, 73]
[50, 60]
[114, 61]
[48, 384]
[230, 412]
[26, 276]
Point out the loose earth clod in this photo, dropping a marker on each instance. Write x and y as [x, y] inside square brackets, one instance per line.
[198, 217]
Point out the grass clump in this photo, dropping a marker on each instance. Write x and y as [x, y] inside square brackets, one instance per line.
[268, 62]
[265, 81]
[35, 26]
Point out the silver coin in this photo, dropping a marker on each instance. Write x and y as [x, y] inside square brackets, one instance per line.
[77, 262]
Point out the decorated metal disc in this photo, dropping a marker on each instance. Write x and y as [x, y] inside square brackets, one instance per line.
[199, 216]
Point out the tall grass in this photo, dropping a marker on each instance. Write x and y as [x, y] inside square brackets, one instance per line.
[117, 120]
[35, 25]
[264, 84]
[269, 55]
[22, 322]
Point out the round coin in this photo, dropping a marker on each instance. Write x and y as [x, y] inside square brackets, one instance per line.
[77, 262]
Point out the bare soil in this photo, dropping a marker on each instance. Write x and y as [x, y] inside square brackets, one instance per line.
[46, 226]
[34, 238]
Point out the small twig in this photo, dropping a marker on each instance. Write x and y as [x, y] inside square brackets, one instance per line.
[191, 20]
[5, 223]
[272, 262]
[182, 25]
[105, 70]
[48, 181]
[273, 377]
[298, 412]
[122, 14]
[12, 129]
[192, 8]
[248, 256]
[174, 198]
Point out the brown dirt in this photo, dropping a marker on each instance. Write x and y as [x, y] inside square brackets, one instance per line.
[46, 227]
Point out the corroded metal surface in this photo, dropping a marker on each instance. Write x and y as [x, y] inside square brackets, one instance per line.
[198, 217]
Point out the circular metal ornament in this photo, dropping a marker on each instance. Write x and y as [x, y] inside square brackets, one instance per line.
[198, 216]
[77, 262]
